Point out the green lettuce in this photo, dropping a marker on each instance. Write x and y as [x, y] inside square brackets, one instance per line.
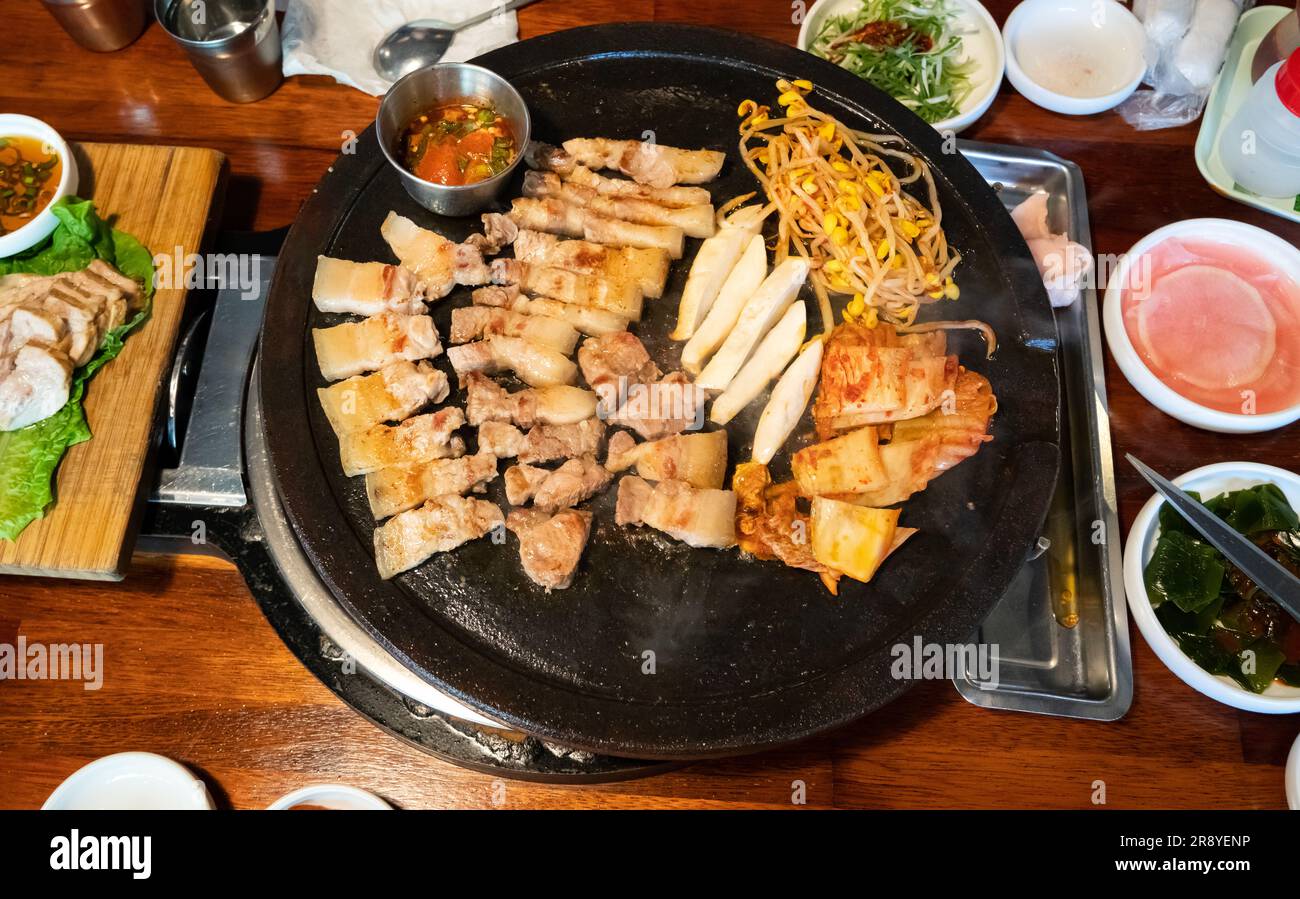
[29, 456]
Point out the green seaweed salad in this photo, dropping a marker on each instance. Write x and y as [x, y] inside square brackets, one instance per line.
[1219, 618]
[29, 455]
[905, 48]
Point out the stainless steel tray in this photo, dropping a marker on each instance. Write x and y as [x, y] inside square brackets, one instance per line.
[1062, 629]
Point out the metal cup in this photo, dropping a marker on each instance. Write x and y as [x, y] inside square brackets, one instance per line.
[234, 44]
[99, 25]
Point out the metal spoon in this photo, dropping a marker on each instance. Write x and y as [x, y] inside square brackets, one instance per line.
[423, 42]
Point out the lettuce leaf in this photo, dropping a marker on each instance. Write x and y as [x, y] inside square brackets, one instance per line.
[30, 455]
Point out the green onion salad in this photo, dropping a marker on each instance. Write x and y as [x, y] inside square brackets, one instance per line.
[906, 49]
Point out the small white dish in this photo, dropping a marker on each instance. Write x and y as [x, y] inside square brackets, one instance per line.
[1076, 57]
[130, 781]
[1209, 481]
[331, 796]
[1156, 391]
[40, 227]
[981, 45]
[1293, 776]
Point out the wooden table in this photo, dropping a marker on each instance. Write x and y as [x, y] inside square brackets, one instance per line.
[193, 671]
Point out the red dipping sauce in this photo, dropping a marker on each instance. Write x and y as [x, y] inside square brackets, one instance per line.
[1217, 323]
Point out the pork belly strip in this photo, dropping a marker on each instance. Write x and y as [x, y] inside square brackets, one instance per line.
[646, 268]
[551, 490]
[365, 288]
[438, 263]
[617, 187]
[695, 221]
[568, 220]
[558, 405]
[583, 318]
[657, 409]
[698, 517]
[354, 347]
[542, 443]
[537, 366]
[441, 524]
[550, 546]
[698, 459]
[620, 297]
[394, 392]
[401, 487]
[654, 164]
[419, 439]
[616, 357]
[472, 322]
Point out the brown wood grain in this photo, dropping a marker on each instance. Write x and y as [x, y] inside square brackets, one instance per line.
[195, 672]
[161, 195]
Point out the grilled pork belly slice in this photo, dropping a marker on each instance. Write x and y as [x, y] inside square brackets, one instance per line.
[653, 164]
[698, 459]
[355, 347]
[437, 262]
[36, 386]
[472, 322]
[614, 358]
[542, 443]
[622, 298]
[558, 405]
[659, 408]
[416, 440]
[698, 517]
[498, 232]
[394, 392]
[566, 219]
[537, 366]
[365, 288]
[551, 490]
[646, 268]
[441, 524]
[695, 221]
[550, 546]
[402, 487]
[583, 318]
[617, 187]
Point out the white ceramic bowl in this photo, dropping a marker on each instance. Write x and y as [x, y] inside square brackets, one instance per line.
[1156, 391]
[331, 796]
[1103, 31]
[1293, 776]
[1209, 481]
[981, 43]
[40, 227]
[130, 781]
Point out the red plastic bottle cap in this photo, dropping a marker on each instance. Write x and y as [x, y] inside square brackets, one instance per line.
[1288, 83]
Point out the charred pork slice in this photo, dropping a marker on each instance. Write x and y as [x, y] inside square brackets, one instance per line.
[695, 221]
[441, 524]
[660, 408]
[416, 440]
[354, 347]
[472, 322]
[622, 297]
[537, 366]
[573, 482]
[396, 489]
[614, 359]
[569, 220]
[583, 318]
[437, 262]
[542, 443]
[647, 269]
[558, 405]
[391, 394]
[365, 288]
[698, 459]
[550, 546]
[654, 164]
[698, 517]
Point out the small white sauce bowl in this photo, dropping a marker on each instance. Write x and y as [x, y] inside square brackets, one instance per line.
[981, 44]
[131, 781]
[1036, 26]
[39, 228]
[1285, 256]
[331, 796]
[1209, 481]
[1293, 776]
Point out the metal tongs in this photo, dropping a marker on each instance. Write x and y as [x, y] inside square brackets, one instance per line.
[1277, 45]
[1281, 585]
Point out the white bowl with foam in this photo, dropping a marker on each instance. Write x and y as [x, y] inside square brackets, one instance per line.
[131, 781]
[1282, 254]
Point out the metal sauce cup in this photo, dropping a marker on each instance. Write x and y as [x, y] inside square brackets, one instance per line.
[234, 44]
[438, 85]
[99, 25]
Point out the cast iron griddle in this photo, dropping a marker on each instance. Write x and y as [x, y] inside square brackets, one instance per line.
[745, 654]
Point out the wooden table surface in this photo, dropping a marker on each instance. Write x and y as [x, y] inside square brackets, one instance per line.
[193, 670]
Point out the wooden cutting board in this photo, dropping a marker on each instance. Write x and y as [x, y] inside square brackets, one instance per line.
[163, 196]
